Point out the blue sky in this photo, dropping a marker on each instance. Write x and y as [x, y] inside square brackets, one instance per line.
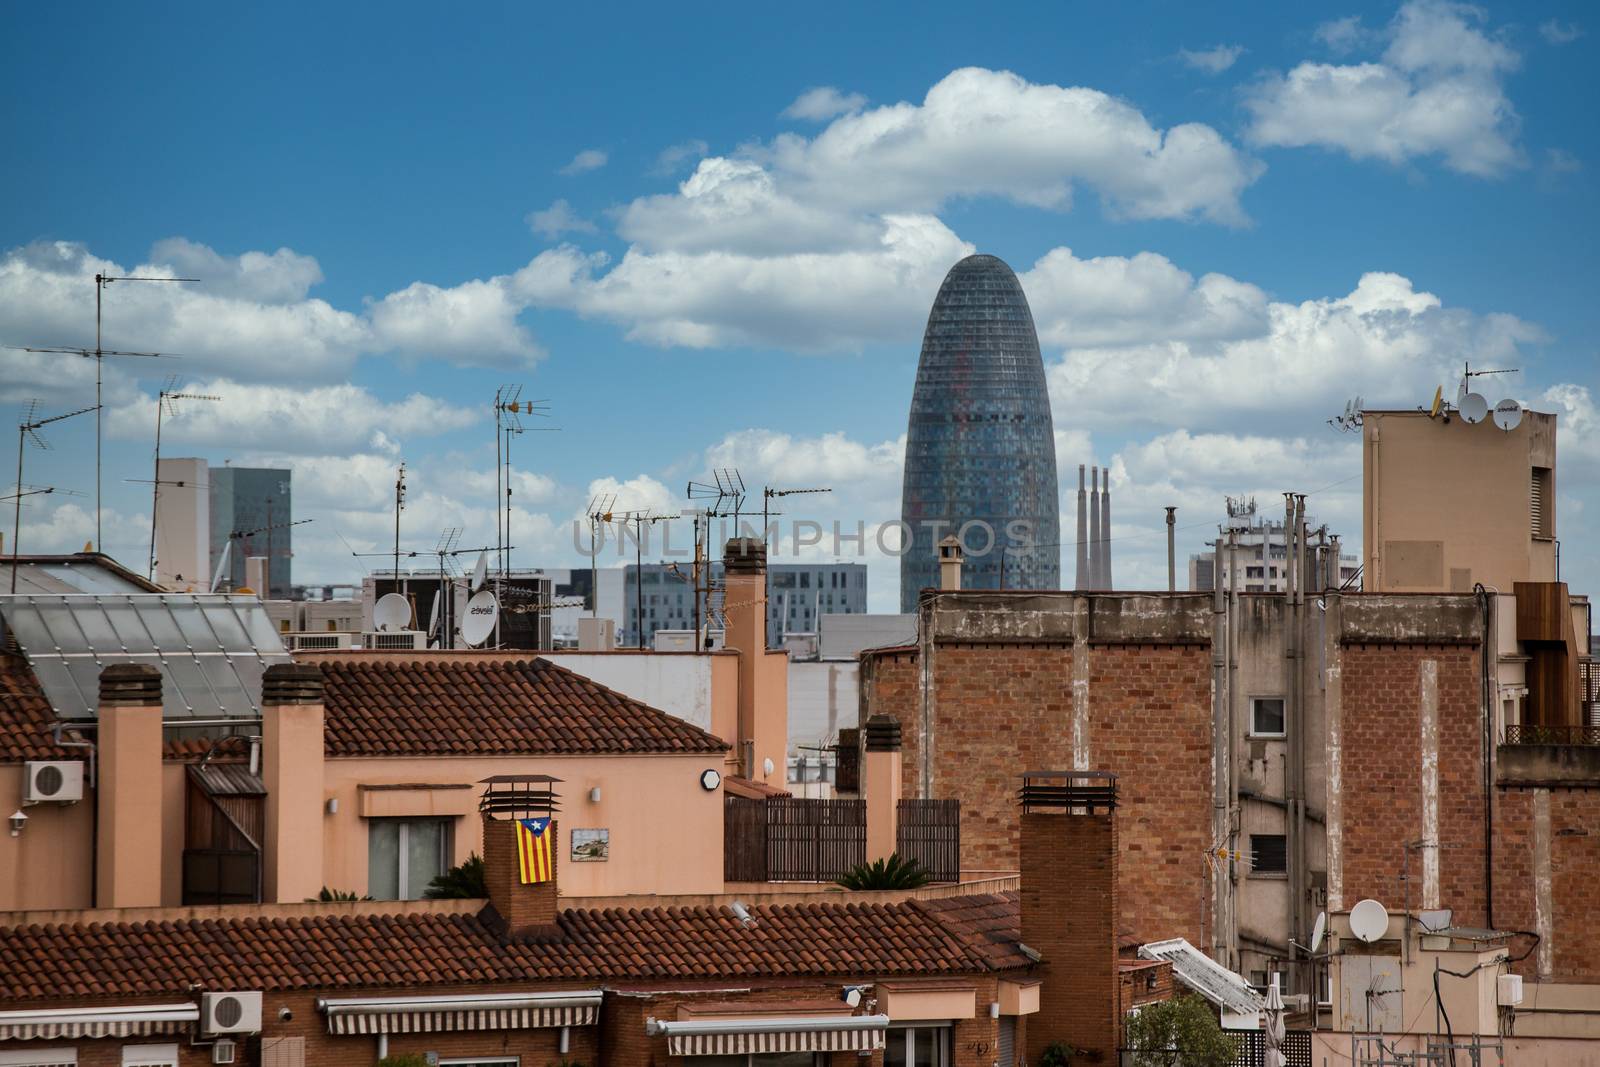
[645, 219]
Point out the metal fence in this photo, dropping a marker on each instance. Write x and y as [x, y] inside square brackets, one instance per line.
[1530, 734]
[930, 833]
[1250, 1047]
[791, 839]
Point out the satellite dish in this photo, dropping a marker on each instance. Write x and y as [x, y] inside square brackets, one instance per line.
[480, 573]
[1508, 414]
[1369, 920]
[1438, 403]
[1319, 931]
[483, 610]
[391, 612]
[1474, 408]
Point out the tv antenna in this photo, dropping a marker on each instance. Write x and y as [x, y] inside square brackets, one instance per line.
[599, 511]
[509, 408]
[98, 354]
[1350, 420]
[640, 520]
[768, 494]
[399, 506]
[245, 535]
[726, 491]
[166, 403]
[28, 430]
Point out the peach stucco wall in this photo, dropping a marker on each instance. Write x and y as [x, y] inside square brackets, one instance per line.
[666, 831]
[48, 863]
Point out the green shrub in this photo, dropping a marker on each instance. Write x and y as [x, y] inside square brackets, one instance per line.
[464, 881]
[329, 895]
[1056, 1054]
[893, 873]
[1181, 1032]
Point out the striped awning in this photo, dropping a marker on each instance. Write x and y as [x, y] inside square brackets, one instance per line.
[137, 1020]
[422, 1015]
[755, 1034]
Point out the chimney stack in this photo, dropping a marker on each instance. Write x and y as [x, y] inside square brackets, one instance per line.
[1094, 528]
[128, 789]
[763, 677]
[950, 559]
[292, 719]
[881, 786]
[1080, 577]
[529, 910]
[1069, 909]
[1104, 556]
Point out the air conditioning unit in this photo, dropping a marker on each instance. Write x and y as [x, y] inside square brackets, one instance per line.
[408, 640]
[230, 1013]
[1509, 990]
[52, 782]
[314, 641]
[224, 1051]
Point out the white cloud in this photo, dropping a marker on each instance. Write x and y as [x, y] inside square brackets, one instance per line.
[1561, 161]
[585, 161]
[474, 323]
[675, 155]
[1384, 339]
[1438, 91]
[557, 219]
[823, 103]
[990, 133]
[314, 420]
[1344, 35]
[1556, 32]
[1213, 60]
[281, 277]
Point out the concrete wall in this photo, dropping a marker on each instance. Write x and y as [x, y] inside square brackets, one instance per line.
[48, 864]
[822, 699]
[678, 683]
[183, 526]
[1418, 470]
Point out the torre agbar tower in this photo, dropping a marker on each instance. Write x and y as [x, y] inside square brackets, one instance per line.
[980, 448]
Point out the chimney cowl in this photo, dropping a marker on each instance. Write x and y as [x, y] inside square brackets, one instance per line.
[745, 555]
[130, 684]
[883, 734]
[291, 683]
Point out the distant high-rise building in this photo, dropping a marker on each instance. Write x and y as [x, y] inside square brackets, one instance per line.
[980, 445]
[798, 595]
[251, 506]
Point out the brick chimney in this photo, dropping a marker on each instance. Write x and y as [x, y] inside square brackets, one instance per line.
[1069, 909]
[292, 717]
[763, 721]
[529, 911]
[950, 560]
[880, 786]
[128, 789]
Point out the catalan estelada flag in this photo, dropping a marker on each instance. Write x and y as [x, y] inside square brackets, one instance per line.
[533, 851]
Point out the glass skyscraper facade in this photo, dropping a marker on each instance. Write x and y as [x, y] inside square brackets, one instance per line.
[980, 446]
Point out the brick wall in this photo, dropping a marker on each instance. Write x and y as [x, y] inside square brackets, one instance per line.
[525, 908]
[1381, 763]
[1003, 709]
[1069, 895]
[1574, 866]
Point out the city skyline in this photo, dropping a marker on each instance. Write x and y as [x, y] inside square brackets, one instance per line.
[1215, 270]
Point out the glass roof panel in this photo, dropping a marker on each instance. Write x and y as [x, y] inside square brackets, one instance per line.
[211, 650]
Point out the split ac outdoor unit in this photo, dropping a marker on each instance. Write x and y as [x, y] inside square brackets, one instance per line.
[331, 640]
[52, 782]
[224, 1051]
[230, 1013]
[409, 640]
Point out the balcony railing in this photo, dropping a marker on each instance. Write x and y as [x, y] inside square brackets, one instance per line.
[1529, 734]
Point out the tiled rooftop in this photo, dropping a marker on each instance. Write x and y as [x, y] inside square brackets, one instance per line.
[105, 959]
[389, 706]
[25, 716]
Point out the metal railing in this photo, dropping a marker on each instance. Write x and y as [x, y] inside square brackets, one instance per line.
[1531, 734]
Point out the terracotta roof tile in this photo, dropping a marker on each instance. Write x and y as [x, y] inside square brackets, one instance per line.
[25, 716]
[990, 925]
[43, 962]
[390, 706]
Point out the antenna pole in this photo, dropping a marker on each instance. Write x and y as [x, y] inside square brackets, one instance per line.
[16, 517]
[99, 362]
[638, 575]
[399, 502]
[155, 487]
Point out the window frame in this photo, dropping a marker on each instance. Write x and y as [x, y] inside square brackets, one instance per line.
[943, 1043]
[403, 823]
[157, 1054]
[1283, 707]
[1256, 871]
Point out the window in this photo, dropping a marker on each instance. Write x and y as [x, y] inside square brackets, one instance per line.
[1266, 716]
[1541, 502]
[1252, 572]
[1268, 854]
[149, 1056]
[917, 1046]
[404, 855]
[40, 1057]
